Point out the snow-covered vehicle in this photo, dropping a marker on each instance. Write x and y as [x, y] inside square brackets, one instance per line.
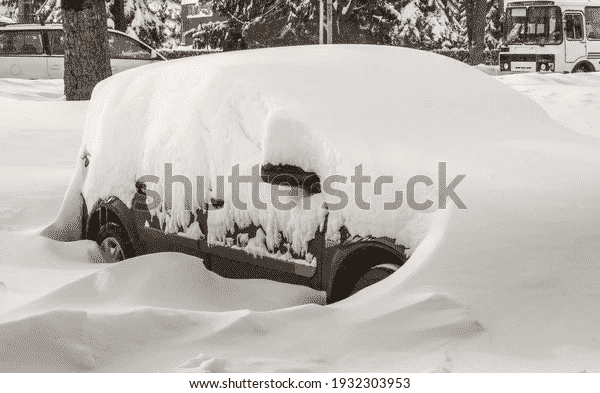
[163, 146]
[236, 105]
[551, 36]
[31, 51]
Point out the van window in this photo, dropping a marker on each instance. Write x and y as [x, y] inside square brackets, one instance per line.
[592, 22]
[122, 47]
[15, 43]
[57, 43]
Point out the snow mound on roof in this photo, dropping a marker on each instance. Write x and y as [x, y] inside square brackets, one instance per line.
[327, 108]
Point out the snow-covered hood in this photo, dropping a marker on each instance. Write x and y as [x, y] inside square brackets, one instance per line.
[328, 109]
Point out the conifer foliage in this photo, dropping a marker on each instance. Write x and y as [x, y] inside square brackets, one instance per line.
[423, 24]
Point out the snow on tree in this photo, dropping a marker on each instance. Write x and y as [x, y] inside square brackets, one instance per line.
[458, 35]
[423, 24]
[261, 23]
[156, 22]
[51, 11]
[9, 9]
[493, 28]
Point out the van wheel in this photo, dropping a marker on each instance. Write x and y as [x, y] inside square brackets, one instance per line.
[374, 275]
[113, 243]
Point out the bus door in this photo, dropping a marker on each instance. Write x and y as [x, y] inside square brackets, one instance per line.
[575, 45]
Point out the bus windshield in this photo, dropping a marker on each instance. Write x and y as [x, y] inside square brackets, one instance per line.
[535, 25]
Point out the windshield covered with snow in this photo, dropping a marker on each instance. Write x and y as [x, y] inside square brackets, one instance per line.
[539, 25]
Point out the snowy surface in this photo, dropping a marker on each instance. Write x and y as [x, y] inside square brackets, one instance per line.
[510, 284]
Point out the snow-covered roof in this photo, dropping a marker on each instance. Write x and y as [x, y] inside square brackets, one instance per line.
[328, 109]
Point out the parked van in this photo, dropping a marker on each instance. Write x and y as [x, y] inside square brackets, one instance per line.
[30, 51]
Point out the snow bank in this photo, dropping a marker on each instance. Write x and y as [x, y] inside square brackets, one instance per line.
[165, 312]
[326, 108]
[33, 265]
[125, 308]
[571, 100]
[40, 136]
[27, 90]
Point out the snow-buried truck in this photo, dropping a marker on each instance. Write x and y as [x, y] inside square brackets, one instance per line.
[164, 144]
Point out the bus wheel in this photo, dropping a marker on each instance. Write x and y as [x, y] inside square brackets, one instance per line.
[582, 68]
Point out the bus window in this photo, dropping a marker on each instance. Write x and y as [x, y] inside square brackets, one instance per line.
[515, 25]
[592, 22]
[538, 25]
[544, 25]
[574, 27]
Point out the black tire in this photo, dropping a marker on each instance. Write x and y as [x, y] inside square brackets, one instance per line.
[582, 68]
[114, 243]
[374, 275]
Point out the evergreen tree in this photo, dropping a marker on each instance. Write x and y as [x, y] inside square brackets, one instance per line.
[50, 11]
[156, 22]
[8, 8]
[424, 24]
[493, 28]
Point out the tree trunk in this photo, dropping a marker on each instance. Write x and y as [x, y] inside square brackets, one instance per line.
[87, 60]
[468, 4]
[478, 26]
[119, 15]
[341, 12]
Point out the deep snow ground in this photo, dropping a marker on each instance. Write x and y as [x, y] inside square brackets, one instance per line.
[61, 311]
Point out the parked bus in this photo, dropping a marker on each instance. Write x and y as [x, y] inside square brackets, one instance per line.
[551, 36]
